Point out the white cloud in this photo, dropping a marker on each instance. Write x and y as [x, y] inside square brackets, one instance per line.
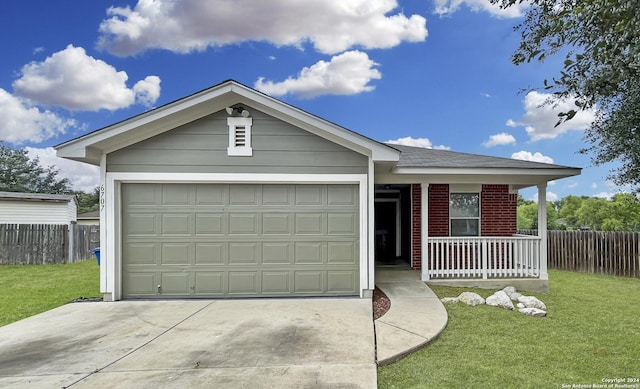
[183, 26]
[417, 142]
[20, 122]
[605, 195]
[500, 139]
[594, 185]
[572, 184]
[82, 176]
[512, 123]
[76, 81]
[447, 7]
[346, 74]
[541, 116]
[147, 91]
[534, 157]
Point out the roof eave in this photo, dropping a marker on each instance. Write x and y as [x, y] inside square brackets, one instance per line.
[516, 176]
[36, 197]
[89, 148]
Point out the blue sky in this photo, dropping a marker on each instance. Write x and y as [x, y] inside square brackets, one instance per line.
[434, 73]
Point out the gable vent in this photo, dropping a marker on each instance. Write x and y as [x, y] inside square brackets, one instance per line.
[240, 136]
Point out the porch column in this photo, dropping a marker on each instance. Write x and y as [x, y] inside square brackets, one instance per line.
[424, 230]
[542, 229]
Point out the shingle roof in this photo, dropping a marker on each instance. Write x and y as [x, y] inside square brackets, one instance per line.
[420, 157]
[36, 196]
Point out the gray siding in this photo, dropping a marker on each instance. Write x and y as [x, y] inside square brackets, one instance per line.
[201, 147]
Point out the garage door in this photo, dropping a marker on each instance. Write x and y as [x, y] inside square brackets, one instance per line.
[239, 240]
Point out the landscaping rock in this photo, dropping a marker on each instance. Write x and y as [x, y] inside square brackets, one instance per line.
[509, 290]
[515, 296]
[512, 293]
[533, 312]
[532, 302]
[527, 305]
[500, 299]
[471, 298]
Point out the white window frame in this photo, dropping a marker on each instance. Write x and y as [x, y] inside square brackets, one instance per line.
[478, 218]
[239, 129]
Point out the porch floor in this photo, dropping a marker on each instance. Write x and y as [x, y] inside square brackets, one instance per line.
[416, 316]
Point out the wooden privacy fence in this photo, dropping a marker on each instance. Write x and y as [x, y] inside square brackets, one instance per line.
[36, 244]
[85, 239]
[597, 252]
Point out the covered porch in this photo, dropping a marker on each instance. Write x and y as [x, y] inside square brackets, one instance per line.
[495, 258]
[459, 217]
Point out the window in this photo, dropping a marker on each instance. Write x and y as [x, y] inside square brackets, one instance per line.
[464, 214]
[239, 136]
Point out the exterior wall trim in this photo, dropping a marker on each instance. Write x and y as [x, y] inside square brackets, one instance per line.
[111, 272]
[370, 194]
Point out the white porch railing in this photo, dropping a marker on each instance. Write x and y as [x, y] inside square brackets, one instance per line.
[483, 257]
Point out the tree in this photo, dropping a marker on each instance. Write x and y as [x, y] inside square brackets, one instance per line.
[88, 202]
[592, 212]
[19, 173]
[567, 208]
[623, 213]
[528, 215]
[601, 71]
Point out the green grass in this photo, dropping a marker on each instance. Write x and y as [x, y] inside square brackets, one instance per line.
[591, 332]
[26, 290]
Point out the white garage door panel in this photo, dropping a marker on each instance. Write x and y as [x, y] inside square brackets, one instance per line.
[219, 240]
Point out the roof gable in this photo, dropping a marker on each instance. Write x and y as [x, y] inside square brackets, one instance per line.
[89, 148]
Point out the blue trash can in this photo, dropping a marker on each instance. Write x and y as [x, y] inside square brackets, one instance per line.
[96, 251]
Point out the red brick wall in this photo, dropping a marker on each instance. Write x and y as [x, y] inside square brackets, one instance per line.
[439, 210]
[498, 211]
[416, 230]
[498, 214]
[438, 217]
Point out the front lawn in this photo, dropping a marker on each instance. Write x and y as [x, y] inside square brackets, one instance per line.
[591, 333]
[26, 290]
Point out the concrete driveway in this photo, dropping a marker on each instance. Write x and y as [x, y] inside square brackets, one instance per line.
[266, 343]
